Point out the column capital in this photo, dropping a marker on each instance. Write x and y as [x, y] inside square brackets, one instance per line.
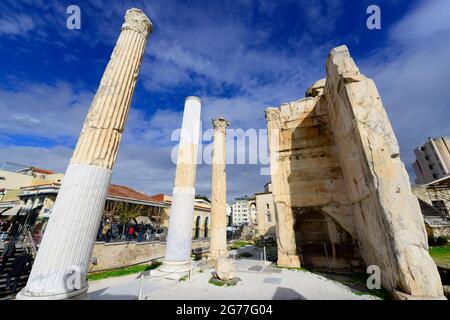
[136, 19]
[272, 114]
[220, 123]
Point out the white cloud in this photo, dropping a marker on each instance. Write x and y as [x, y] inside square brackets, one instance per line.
[55, 158]
[321, 16]
[412, 73]
[16, 25]
[428, 19]
[42, 110]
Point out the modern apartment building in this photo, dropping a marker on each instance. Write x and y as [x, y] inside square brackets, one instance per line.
[432, 160]
[240, 211]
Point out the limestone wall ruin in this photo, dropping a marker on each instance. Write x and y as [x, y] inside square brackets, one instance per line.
[116, 255]
[342, 195]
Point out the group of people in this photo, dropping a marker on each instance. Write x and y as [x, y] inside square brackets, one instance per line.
[112, 231]
[11, 228]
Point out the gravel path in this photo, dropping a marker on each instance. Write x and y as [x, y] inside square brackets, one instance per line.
[258, 282]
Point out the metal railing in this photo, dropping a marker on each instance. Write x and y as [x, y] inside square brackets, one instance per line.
[29, 244]
[12, 167]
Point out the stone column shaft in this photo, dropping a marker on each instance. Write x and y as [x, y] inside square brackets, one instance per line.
[218, 239]
[178, 247]
[62, 262]
[287, 249]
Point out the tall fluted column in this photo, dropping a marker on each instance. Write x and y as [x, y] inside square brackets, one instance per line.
[178, 247]
[61, 265]
[218, 239]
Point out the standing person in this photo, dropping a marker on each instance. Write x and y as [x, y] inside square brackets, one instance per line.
[14, 230]
[5, 226]
[140, 236]
[147, 234]
[99, 231]
[105, 231]
[20, 264]
[114, 230]
[9, 250]
[130, 233]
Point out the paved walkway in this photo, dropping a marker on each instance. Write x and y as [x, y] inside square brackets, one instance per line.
[259, 281]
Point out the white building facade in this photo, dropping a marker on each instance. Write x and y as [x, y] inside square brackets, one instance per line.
[432, 160]
[240, 212]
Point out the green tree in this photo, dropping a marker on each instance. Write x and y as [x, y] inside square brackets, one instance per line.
[124, 212]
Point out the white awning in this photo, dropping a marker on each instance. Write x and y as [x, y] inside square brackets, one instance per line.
[3, 209]
[12, 211]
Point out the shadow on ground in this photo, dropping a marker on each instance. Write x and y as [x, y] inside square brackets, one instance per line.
[356, 282]
[100, 295]
[249, 252]
[287, 294]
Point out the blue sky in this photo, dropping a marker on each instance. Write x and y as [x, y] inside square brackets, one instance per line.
[239, 56]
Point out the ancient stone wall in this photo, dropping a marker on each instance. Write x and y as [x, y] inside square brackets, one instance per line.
[316, 196]
[122, 254]
[437, 219]
[341, 192]
[429, 194]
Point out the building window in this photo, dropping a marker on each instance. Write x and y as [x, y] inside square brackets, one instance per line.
[197, 228]
[206, 227]
[268, 217]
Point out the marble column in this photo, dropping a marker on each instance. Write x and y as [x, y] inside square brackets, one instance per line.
[177, 260]
[61, 265]
[218, 238]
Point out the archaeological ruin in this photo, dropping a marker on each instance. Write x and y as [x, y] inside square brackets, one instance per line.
[218, 239]
[61, 265]
[177, 260]
[342, 195]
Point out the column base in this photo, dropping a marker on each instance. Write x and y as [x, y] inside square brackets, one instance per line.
[73, 295]
[214, 254]
[286, 260]
[172, 270]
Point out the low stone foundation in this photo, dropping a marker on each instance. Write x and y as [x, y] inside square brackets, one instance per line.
[122, 254]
